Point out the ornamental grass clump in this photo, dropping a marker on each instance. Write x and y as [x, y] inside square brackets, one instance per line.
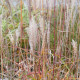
[40, 39]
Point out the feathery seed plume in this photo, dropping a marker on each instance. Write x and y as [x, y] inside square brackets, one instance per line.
[74, 44]
[11, 37]
[32, 33]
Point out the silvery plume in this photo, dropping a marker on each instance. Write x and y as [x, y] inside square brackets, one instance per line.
[10, 35]
[17, 32]
[41, 23]
[32, 33]
[74, 44]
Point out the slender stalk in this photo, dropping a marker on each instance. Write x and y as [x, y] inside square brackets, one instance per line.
[21, 23]
[13, 58]
[54, 40]
[29, 10]
[21, 34]
[1, 45]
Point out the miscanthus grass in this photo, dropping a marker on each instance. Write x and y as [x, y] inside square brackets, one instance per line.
[39, 39]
